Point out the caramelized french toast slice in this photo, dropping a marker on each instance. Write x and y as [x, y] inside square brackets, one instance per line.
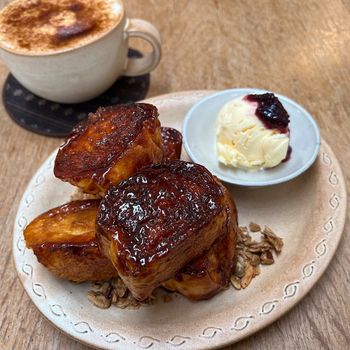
[172, 143]
[155, 222]
[111, 145]
[210, 273]
[63, 240]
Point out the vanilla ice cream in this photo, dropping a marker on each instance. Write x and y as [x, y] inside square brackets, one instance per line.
[252, 132]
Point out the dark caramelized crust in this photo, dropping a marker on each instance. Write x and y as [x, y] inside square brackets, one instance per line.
[110, 146]
[158, 220]
[172, 142]
[210, 273]
[63, 239]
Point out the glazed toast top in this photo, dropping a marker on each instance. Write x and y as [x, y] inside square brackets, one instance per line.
[97, 143]
[154, 211]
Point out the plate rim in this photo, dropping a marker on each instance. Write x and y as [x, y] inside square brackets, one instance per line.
[328, 158]
[272, 182]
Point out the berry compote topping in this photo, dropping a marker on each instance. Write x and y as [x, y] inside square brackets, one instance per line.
[270, 111]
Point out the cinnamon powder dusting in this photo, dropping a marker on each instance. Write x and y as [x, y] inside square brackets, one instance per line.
[54, 25]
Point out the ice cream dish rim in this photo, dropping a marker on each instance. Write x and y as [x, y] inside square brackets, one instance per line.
[278, 175]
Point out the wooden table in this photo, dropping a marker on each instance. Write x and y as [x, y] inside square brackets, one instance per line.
[297, 48]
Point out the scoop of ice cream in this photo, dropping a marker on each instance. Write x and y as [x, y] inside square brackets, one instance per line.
[252, 132]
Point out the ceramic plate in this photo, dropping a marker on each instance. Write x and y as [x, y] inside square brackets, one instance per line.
[308, 212]
[199, 140]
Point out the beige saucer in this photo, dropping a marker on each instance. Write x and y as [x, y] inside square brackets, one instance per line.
[308, 212]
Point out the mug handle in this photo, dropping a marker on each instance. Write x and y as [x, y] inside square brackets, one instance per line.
[145, 30]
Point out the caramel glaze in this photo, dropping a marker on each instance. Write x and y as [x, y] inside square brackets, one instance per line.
[60, 220]
[63, 239]
[75, 262]
[154, 211]
[210, 273]
[22, 22]
[222, 248]
[96, 144]
[172, 142]
[78, 248]
[78, 244]
[85, 249]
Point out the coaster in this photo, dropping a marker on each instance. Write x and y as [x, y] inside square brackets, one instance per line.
[57, 119]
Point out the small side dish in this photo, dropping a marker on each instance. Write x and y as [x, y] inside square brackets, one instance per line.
[236, 130]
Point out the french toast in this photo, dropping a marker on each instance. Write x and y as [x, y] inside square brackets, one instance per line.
[172, 143]
[155, 222]
[111, 145]
[63, 240]
[210, 273]
[80, 260]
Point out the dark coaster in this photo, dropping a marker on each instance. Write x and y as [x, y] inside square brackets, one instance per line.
[56, 119]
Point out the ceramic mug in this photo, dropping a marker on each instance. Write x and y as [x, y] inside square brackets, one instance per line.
[83, 72]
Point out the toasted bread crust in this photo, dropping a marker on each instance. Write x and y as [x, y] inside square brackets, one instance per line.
[172, 143]
[155, 222]
[210, 273]
[63, 240]
[111, 145]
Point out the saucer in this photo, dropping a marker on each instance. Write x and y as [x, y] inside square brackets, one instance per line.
[53, 119]
[199, 140]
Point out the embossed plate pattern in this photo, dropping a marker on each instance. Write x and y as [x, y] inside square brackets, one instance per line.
[308, 212]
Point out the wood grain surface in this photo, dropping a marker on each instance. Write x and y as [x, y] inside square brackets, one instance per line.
[296, 48]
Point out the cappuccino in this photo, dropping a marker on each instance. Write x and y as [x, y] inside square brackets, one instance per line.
[50, 26]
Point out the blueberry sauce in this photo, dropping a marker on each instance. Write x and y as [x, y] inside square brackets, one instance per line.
[270, 111]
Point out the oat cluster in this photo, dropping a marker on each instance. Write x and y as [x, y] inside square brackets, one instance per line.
[250, 254]
[114, 292]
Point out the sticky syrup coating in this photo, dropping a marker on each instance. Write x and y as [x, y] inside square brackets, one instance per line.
[155, 222]
[172, 142]
[210, 273]
[147, 209]
[111, 145]
[63, 239]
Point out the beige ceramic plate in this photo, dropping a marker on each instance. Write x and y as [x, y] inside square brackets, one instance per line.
[308, 212]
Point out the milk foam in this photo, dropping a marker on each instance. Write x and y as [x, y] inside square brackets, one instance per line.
[47, 26]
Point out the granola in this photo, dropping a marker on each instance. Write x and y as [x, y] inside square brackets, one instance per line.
[114, 292]
[250, 254]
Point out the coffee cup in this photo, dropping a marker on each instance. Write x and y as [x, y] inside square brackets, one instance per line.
[72, 51]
